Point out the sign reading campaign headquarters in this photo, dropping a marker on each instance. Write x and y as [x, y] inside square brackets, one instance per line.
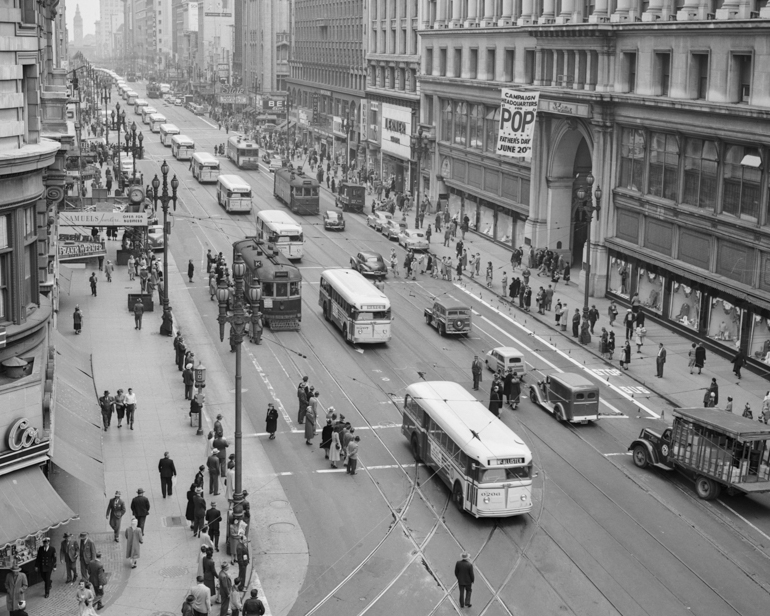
[518, 112]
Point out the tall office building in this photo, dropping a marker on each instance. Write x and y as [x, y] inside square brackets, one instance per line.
[265, 39]
[111, 18]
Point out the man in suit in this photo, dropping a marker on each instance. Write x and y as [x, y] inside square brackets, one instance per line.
[212, 464]
[199, 512]
[201, 598]
[242, 558]
[660, 360]
[220, 444]
[87, 553]
[96, 577]
[188, 376]
[15, 586]
[213, 518]
[476, 367]
[69, 552]
[167, 470]
[225, 589]
[116, 509]
[465, 578]
[45, 563]
[140, 507]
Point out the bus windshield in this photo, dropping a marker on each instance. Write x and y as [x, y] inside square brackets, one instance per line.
[496, 475]
[282, 239]
[371, 316]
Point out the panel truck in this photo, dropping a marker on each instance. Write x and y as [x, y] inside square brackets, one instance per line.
[715, 448]
[568, 396]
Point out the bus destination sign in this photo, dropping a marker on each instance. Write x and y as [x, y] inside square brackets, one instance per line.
[505, 461]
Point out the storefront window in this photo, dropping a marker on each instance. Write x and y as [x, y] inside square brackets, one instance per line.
[685, 305]
[491, 123]
[650, 289]
[725, 322]
[505, 226]
[455, 205]
[476, 126]
[700, 173]
[461, 123]
[760, 339]
[632, 159]
[620, 276]
[486, 218]
[664, 166]
[446, 121]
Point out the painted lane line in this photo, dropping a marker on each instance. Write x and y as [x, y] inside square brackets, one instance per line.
[572, 360]
[721, 502]
[325, 471]
[622, 453]
[270, 389]
[209, 123]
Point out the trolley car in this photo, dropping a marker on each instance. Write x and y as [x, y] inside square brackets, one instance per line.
[297, 190]
[281, 303]
[243, 152]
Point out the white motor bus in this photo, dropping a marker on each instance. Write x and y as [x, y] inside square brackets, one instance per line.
[182, 147]
[205, 167]
[167, 131]
[131, 96]
[138, 104]
[156, 119]
[146, 113]
[234, 194]
[355, 305]
[280, 229]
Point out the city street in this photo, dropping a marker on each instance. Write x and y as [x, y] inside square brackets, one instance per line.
[603, 537]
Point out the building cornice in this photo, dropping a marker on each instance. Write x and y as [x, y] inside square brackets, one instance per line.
[31, 157]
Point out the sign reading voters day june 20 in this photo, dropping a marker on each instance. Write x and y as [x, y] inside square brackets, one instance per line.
[518, 111]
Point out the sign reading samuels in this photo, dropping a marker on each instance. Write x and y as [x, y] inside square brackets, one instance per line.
[103, 219]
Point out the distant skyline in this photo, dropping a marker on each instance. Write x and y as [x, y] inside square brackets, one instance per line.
[89, 11]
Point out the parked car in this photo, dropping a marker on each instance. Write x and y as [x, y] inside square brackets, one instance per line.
[178, 102]
[369, 263]
[155, 237]
[334, 220]
[413, 238]
[377, 219]
[391, 229]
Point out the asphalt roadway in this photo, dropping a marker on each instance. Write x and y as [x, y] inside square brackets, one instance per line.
[603, 537]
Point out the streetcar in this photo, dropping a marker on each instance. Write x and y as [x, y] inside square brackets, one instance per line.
[281, 302]
[182, 147]
[153, 90]
[486, 465]
[355, 305]
[277, 227]
[243, 152]
[297, 190]
[234, 193]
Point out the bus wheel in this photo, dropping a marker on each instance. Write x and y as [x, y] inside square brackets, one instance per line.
[706, 488]
[415, 448]
[457, 496]
[640, 456]
[326, 312]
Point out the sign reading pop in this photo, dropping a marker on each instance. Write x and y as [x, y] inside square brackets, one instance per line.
[518, 112]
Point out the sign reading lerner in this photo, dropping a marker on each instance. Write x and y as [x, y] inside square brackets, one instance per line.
[518, 111]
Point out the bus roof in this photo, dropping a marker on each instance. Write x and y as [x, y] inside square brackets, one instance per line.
[140, 102]
[169, 128]
[469, 423]
[204, 157]
[242, 142]
[182, 139]
[277, 217]
[234, 182]
[726, 423]
[355, 289]
[157, 117]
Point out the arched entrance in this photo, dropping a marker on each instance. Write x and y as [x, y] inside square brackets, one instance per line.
[571, 163]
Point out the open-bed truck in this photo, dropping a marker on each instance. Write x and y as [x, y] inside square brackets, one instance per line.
[714, 448]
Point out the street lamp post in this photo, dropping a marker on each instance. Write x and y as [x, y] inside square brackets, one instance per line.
[164, 198]
[420, 144]
[238, 320]
[132, 147]
[588, 208]
[106, 95]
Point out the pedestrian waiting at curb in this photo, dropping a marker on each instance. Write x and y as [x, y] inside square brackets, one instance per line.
[77, 318]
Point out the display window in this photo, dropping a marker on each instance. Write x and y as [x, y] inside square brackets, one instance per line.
[505, 226]
[649, 287]
[759, 348]
[725, 322]
[486, 218]
[620, 276]
[685, 305]
[455, 206]
[20, 552]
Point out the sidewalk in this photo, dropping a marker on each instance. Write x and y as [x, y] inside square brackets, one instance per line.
[677, 386]
[124, 357]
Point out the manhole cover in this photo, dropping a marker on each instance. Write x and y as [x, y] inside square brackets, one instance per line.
[173, 520]
[282, 527]
[279, 504]
[174, 571]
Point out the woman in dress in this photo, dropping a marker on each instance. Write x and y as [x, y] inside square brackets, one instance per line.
[77, 319]
[691, 357]
[625, 355]
[309, 425]
[638, 338]
[134, 540]
[189, 513]
[585, 331]
[515, 395]
[611, 345]
[209, 572]
[230, 480]
[85, 598]
[120, 406]
[271, 420]
[334, 448]
[495, 400]
[326, 438]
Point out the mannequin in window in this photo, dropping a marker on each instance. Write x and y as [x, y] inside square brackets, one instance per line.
[684, 314]
[765, 350]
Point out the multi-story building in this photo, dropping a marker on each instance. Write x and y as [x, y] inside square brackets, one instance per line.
[392, 89]
[215, 40]
[665, 104]
[328, 75]
[111, 18]
[36, 363]
[265, 39]
[187, 38]
[77, 22]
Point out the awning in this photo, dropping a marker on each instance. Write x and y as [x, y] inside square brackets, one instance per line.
[77, 425]
[28, 505]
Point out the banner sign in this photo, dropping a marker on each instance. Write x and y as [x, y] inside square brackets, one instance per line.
[69, 250]
[518, 112]
[103, 219]
[233, 99]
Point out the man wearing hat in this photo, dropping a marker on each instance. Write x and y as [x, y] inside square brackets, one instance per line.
[116, 509]
[189, 380]
[69, 552]
[87, 553]
[140, 507]
[220, 444]
[212, 464]
[45, 563]
[15, 587]
[198, 481]
[167, 472]
[213, 518]
[225, 589]
[465, 578]
[242, 558]
[97, 579]
[199, 512]
[219, 429]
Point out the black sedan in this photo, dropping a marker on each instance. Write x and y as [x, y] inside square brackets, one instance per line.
[369, 264]
[334, 220]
